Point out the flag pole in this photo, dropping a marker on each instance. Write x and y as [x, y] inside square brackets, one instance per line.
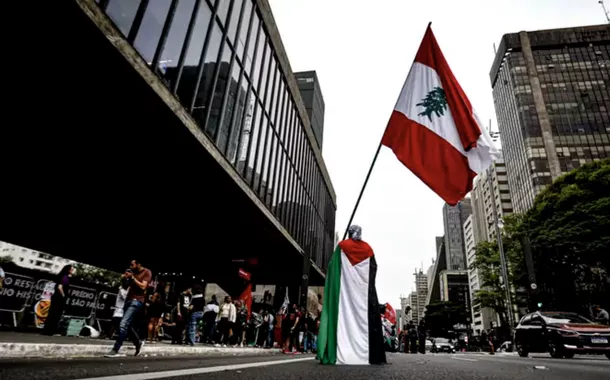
[366, 180]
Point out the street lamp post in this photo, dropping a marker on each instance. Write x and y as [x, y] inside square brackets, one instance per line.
[503, 264]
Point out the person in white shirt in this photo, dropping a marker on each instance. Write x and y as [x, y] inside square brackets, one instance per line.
[226, 319]
[119, 306]
[269, 318]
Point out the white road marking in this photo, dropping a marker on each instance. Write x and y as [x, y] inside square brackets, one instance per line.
[464, 359]
[195, 371]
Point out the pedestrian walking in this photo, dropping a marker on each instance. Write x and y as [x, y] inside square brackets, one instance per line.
[119, 307]
[137, 278]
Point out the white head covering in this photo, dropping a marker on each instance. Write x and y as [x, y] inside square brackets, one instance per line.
[355, 232]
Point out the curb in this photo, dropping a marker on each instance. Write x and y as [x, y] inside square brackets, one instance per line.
[35, 350]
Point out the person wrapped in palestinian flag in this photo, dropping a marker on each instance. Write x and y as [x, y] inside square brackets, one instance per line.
[350, 324]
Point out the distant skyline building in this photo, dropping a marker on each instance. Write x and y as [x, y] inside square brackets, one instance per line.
[413, 301]
[454, 218]
[454, 287]
[551, 94]
[430, 274]
[480, 227]
[421, 288]
[309, 87]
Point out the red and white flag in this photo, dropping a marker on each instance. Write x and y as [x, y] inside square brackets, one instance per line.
[434, 131]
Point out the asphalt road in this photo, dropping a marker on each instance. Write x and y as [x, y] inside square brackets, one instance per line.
[419, 367]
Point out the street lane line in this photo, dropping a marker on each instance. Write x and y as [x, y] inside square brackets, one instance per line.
[195, 371]
[464, 359]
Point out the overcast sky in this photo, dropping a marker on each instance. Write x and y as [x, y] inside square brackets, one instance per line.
[362, 52]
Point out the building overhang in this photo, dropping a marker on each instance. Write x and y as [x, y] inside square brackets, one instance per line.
[108, 166]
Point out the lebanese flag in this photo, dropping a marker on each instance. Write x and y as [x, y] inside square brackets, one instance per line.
[350, 324]
[434, 131]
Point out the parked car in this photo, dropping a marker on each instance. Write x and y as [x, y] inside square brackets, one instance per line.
[562, 334]
[442, 345]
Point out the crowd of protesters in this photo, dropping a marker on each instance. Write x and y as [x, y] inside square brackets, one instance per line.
[189, 319]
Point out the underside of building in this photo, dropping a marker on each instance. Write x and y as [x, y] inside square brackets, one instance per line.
[101, 164]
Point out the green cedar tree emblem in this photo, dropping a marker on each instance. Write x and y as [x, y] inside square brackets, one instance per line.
[435, 102]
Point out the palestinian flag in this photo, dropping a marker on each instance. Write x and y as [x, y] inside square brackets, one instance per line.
[350, 325]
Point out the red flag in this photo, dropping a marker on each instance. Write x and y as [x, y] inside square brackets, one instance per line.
[246, 297]
[390, 314]
[434, 131]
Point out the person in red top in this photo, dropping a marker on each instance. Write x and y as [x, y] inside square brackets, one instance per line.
[138, 279]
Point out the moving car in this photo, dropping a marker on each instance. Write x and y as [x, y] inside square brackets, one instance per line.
[442, 345]
[561, 334]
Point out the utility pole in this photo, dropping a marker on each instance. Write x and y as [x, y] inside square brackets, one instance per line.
[510, 314]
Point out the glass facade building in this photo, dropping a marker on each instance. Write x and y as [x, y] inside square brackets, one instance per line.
[454, 218]
[227, 67]
[551, 90]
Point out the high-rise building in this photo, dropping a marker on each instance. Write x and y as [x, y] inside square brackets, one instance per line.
[480, 227]
[454, 218]
[404, 302]
[421, 288]
[454, 287]
[480, 316]
[430, 274]
[551, 90]
[309, 87]
[439, 265]
[413, 302]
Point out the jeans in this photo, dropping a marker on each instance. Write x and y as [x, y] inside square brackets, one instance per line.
[132, 308]
[270, 337]
[192, 332]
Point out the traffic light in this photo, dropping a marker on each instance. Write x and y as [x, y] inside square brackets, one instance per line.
[539, 305]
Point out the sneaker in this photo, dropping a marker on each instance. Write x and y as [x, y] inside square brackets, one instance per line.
[139, 348]
[113, 354]
[224, 346]
[217, 345]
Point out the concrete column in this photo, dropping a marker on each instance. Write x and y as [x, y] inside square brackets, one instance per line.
[304, 280]
[543, 115]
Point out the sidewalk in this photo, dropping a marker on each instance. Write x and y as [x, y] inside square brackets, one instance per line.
[31, 345]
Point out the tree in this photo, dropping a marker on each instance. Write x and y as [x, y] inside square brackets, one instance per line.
[97, 275]
[569, 230]
[442, 316]
[5, 260]
[487, 261]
